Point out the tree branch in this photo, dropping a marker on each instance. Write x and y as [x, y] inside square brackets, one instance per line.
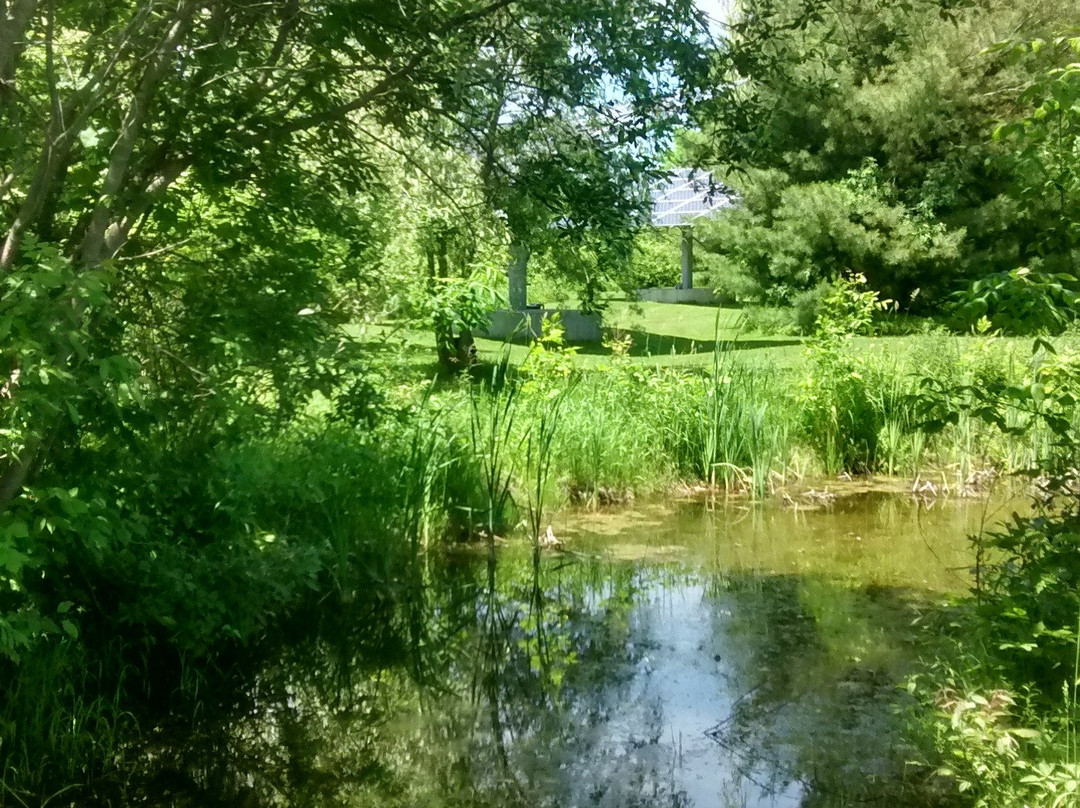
[394, 78]
[94, 243]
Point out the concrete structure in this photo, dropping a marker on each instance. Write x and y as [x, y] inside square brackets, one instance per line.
[687, 262]
[527, 324]
[699, 296]
[517, 275]
[680, 198]
[524, 322]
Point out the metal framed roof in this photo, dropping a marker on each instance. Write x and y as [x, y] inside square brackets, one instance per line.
[686, 194]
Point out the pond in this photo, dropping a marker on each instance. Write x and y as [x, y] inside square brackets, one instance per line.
[685, 654]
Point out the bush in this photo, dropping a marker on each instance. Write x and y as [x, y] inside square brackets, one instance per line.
[1002, 712]
[838, 412]
[788, 238]
[1019, 302]
[769, 321]
[807, 305]
[655, 262]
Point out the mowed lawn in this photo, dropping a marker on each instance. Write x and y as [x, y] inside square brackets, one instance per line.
[661, 335]
[668, 335]
[671, 334]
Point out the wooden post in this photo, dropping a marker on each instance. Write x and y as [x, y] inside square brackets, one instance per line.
[687, 257]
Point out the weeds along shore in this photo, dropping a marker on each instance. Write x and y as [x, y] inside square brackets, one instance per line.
[624, 429]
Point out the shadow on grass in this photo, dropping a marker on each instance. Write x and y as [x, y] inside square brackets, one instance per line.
[415, 356]
[644, 343]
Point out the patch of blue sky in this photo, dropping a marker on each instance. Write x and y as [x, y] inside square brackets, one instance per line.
[718, 12]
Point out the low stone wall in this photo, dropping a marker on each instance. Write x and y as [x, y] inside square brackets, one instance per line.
[700, 296]
[522, 325]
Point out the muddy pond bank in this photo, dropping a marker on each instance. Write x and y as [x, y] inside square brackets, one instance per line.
[684, 654]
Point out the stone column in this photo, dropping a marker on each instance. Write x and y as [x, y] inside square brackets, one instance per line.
[687, 257]
[519, 261]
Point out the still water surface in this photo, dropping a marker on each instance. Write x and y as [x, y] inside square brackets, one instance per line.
[685, 654]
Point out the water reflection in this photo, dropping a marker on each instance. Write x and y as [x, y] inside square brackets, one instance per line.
[679, 656]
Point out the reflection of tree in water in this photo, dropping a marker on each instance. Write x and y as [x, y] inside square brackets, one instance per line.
[550, 669]
[523, 681]
[818, 664]
[306, 730]
[481, 682]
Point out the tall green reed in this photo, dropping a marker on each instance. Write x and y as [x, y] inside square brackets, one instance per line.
[492, 417]
[423, 477]
[539, 444]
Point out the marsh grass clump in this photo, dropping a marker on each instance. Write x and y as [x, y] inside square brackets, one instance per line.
[65, 724]
[629, 428]
[734, 429]
[611, 440]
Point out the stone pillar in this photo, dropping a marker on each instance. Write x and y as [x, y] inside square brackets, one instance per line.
[687, 258]
[519, 261]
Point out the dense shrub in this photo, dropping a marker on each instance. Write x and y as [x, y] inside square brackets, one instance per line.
[655, 262]
[1001, 709]
[768, 320]
[787, 238]
[1019, 302]
[806, 306]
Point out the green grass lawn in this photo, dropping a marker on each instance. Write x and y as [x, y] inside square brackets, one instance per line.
[668, 335]
[661, 334]
[672, 334]
[683, 336]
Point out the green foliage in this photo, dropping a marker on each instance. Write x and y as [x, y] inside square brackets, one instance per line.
[610, 422]
[787, 237]
[1028, 589]
[810, 93]
[1028, 598]
[806, 307]
[614, 425]
[835, 395]
[819, 88]
[1011, 737]
[998, 746]
[773, 320]
[655, 262]
[1046, 139]
[1020, 302]
[548, 367]
[845, 310]
[630, 428]
[202, 206]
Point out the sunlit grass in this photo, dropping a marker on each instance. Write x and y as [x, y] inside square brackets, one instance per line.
[662, 335]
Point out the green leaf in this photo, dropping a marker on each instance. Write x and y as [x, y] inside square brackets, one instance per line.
[12, 560]
[17, 529]
[89, 138]
[1027, 734]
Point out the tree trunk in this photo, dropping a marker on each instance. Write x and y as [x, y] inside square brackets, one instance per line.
[94, 243]
[453, 344]
[14, 20]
